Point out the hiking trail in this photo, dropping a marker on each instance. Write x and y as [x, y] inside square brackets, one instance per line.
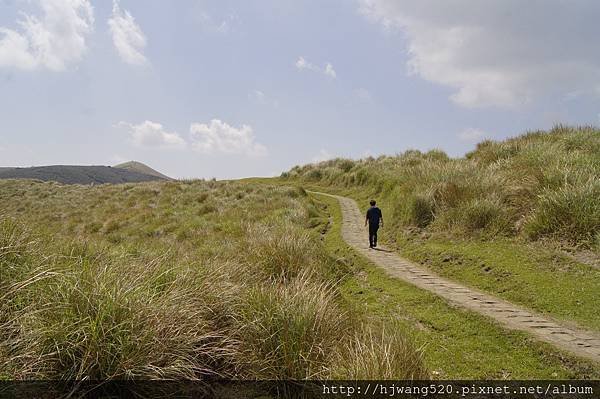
[577, 341]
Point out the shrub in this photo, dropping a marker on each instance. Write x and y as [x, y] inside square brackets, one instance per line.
[297, 192]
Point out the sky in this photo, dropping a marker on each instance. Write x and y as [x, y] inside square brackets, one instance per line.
[230, 89]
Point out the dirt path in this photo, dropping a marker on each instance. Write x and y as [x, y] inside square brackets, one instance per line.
[582, 343]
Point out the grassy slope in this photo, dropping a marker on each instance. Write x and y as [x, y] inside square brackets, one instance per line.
[177, 280]
[457, 343]
[539, 178]
[134, 166]
[527, 273]
[72, 174]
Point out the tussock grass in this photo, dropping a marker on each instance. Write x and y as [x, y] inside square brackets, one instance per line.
[291, 330]
[171, 280]
[421, 210]
[375, 353]
[570, 211]
[282, 252]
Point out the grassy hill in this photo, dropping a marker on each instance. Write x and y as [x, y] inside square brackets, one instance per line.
[538, 186]
[138, 167]
[233, 279]
[68, 174]
[178, 280]
[519, 218]
[251, 279]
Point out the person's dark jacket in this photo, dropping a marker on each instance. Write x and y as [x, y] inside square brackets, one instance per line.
[374, 216]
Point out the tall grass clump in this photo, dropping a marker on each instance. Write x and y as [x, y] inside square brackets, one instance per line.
[422, 210]
[379, 353]
[15, 243]
[95, 319]
[290, 330]
[482, 214]
[281, 251]
[571, 212]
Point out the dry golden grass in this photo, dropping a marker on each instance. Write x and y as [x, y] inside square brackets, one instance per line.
[176, 280]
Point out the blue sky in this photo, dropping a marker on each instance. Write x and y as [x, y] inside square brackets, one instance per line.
[231, 89]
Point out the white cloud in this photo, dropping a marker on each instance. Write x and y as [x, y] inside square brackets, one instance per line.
[152, 134]
[498, 52]
[259, 97]
[52, 41]
[213, 25]
[471, 134]
[218, 136]
[323, 155]
[127, 36]
[329, 71]
[303, 64]
[363, 95]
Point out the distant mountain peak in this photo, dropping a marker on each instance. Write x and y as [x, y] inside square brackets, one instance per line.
[135, 166]
[80, 174]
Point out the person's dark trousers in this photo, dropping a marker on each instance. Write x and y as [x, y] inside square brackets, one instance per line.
[373, 234]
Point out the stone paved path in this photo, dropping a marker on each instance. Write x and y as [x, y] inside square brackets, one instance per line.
[582, 343]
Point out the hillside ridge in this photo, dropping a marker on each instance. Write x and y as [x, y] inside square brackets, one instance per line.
[76, 174]
[139, 167]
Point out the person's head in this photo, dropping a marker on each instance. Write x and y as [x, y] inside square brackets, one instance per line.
[372, 202]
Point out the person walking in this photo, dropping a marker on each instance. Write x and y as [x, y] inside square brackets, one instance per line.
[374, 219]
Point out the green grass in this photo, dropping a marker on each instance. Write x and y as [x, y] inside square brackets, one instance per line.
[251, 280]
[456, 343]
[519, 219]
[176, 280]
[530, 275]
[541, 185]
